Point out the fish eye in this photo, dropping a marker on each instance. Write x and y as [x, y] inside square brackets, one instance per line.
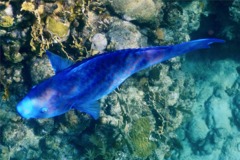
[44, 109]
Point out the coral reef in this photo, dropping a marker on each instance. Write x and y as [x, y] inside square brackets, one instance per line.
[99, 43]
[139, 135]
[124, 34]
[6, 21]
[57, 28]
[234, 11]
[40, 68]
[197, 130]
[144, 11]
[211, 129]
[185, 108]
[11, 52]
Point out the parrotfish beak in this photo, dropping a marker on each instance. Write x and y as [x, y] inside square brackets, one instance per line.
[25, 108]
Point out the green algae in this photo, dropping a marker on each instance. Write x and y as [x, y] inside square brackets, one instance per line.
[28, 6]
[56, 27]
[139, 137]
[6, 21]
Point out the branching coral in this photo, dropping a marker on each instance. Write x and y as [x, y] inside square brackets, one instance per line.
[52, 23]
[37, 39]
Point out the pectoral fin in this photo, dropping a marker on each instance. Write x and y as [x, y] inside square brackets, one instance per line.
[92, 109]
[58, 63]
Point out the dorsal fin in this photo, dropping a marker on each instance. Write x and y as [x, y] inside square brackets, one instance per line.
[58, 63]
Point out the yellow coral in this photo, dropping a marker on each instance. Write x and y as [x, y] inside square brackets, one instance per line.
[6, 21]
[59, 8]
[56, 27]
[40, 9]
[159, 34]
[57, 24]
[28, 6]
[6, 93]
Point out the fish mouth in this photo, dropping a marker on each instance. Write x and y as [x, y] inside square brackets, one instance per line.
[21, 112]
[24, 108]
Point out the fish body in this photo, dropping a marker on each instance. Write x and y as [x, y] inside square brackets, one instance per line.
[80, 85]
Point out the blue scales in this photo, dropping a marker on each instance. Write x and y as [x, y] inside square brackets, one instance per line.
[80, 85]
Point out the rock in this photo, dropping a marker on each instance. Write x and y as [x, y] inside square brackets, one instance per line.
[236, 115]
[52, 142]
[197, 130]
[6, 21]
[4, 152]
[235, 11]
[218, 117]
[45, 126]
[139, 10]
[231, 149]
[237, 100]
[11, 52]
[13, 133]
[208, 148]
[57, 27]
[172, 98]
[73, 122]
[124, 35]
[40, 69]
[219, 113]
[99, 42]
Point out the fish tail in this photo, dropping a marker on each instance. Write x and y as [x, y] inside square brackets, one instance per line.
[186, 47]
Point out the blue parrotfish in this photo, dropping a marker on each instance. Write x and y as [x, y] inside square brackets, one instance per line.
[80, 85]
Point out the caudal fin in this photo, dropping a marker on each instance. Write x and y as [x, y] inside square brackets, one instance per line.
[192, 46]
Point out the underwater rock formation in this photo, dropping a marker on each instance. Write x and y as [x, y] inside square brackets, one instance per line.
[123, 34]
[197, 130]
[185, 108]
[99, 42]
[40, 68]
[214, 111]
[234, 11]
[56, 27]
[144, 11]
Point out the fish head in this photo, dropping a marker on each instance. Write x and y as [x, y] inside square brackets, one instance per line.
[28, 108]
[40, 105]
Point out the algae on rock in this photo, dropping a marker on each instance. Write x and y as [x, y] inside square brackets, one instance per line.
[58, 28]
[139, 135]
[6, 21]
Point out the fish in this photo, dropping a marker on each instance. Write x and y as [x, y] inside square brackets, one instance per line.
[80, 85]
